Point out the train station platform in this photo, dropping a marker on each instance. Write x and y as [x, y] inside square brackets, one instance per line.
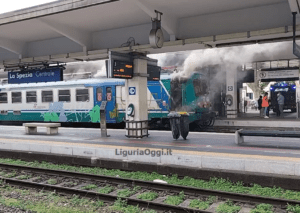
[251, 119]
[203, 150]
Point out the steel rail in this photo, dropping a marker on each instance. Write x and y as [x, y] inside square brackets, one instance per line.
[102, 197]
[158, 186]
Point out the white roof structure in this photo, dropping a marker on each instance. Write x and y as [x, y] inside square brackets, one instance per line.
[76, 30]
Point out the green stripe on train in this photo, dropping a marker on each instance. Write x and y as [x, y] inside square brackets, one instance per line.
[71, 117]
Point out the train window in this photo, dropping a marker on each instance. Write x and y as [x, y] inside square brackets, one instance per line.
[108, 93]
[16, 97]
[47, 96]
[31, 97]
[3, 112]
[99, 94]
[200, 87]
[82, 95]
[64, 95]
[3, 98]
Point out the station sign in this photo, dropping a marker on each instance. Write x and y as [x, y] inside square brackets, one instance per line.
[278, 75]
[122, 69]
[153, 73]
[132, 90]
[35, 76]
[120, 65]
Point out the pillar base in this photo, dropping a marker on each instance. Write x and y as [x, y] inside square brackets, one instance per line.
[231, 113]
[137, 129]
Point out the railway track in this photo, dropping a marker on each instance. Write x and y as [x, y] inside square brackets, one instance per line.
[38, 178]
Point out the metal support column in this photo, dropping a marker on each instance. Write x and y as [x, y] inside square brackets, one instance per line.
[296, 48]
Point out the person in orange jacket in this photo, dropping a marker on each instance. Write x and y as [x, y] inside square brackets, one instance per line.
[265, 104]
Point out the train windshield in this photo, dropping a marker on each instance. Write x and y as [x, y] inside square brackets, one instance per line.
[200, 87]
[282, 89]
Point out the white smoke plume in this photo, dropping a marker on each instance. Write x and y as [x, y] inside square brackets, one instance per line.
[229, 58]
[171, 59]
[96, 68]
[232, 57]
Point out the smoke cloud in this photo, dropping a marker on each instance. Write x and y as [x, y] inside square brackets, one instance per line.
[171, 59]
[96, 68]
[216, 63]
[232, 57]
[228, 57]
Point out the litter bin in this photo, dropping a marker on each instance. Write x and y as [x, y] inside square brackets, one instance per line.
[184, 125]
[175, 124]
[179, 124]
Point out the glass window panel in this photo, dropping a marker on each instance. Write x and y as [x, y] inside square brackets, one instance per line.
[64, 95]
[82, 95]
[108, 94]
[3, 97]
[31, 97]
[64, 92]
[16, 97]
[47, 96]
[99, 94]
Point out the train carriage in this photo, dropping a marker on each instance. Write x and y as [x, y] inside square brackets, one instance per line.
[80, 100]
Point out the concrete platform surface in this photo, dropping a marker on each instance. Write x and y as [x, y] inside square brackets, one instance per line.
[201, 150]
[252, 119]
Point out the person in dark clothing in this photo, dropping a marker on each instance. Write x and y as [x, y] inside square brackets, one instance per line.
[245, 106]
[277, 108]
[259, 101]
[280, 100]
[268, 109]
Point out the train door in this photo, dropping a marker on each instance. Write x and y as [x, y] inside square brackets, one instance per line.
[107, 93]
[160, 95]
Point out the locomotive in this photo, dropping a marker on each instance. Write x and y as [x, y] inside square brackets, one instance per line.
[78, 101]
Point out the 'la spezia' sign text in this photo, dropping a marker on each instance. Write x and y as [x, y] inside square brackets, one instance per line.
[34, 76]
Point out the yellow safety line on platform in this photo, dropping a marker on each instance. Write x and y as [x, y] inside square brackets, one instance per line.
[174, 151]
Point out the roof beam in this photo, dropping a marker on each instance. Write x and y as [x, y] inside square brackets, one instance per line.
[12, 45]
[168, 22]
[80, 37]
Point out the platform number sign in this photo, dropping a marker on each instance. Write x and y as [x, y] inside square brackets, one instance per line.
[132, 90]
[230, 88]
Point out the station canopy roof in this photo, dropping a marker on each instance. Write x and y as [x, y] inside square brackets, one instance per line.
[78, 30]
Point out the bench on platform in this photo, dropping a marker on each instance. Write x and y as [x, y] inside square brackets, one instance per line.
[52, 128]
[239, 134]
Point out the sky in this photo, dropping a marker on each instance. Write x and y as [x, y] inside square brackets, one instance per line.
[12, 5]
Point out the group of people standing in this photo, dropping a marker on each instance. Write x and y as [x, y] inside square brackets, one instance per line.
[264, 105]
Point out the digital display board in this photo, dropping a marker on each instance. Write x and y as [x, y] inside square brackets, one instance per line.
[153, 72]
[122, 69]
[34, 76]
